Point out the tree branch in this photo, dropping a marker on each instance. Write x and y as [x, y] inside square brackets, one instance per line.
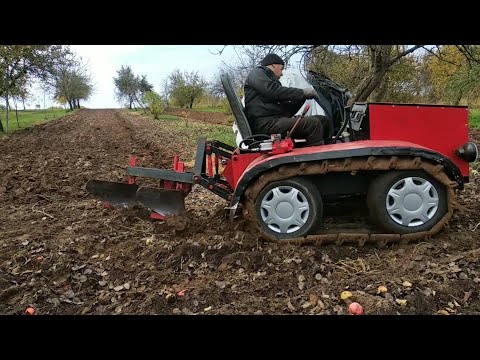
[404, 53]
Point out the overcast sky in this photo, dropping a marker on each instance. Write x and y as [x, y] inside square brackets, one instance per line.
[155, 61]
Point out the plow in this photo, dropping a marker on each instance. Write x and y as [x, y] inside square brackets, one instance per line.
[405, 161]
[164, 200]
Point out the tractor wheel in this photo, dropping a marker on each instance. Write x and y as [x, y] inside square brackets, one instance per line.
[406, 201]
[289, 208]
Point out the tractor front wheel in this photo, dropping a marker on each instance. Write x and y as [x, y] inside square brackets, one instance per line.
[289, 208]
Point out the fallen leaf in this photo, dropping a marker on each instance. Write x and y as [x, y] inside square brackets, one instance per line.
[306, 305]
[223, 266]
[443, 312]
[78, 267]
[69, 294]
[407, 284]
[221, 284]
[401, 302]
[290, 306]
[313, 299]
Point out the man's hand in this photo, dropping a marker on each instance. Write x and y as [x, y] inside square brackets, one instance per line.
[311, 94]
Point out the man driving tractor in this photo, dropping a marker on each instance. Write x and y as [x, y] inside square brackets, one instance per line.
[269, 106]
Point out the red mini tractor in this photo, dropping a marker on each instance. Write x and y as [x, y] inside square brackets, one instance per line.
[406, 160]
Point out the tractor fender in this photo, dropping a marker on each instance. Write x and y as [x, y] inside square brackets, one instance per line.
[355, 149]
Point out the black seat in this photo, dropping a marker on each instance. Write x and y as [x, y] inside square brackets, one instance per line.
[236, 106]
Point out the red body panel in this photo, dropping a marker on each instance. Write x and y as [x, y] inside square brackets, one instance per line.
[246, 162]
[335, 147]
[442, 129]
[236, 167]
[439, 128]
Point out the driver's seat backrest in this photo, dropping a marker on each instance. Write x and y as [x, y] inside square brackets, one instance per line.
[236, 106]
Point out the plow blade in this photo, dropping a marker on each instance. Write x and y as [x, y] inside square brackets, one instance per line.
[113, 192]
[161, 201]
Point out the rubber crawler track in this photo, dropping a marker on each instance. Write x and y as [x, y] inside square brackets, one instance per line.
[351, 165]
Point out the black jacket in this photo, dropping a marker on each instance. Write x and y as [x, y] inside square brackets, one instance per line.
[266, 98]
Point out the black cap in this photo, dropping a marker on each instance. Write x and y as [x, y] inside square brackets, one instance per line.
[272, 59]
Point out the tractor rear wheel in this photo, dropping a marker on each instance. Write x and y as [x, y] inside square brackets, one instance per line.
[289, 208]
[406, 201]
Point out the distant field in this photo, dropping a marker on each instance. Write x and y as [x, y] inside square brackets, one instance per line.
[28, 118]
[194, 129]
[475, 118]
[210, 109]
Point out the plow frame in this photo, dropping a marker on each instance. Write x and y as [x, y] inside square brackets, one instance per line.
[209, 156]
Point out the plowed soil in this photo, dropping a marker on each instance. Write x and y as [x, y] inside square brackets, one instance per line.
[61, 252]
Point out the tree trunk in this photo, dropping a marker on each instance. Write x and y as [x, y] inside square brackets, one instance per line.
[457, 100]
[139, 104]
[23, 101]
[379, 93]
[6, 97]
[78, 103]
[70, 105]
[367, 85]
[16, 112]
[380, 61]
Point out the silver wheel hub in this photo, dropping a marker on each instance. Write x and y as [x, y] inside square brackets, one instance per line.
[284, 209]
[412, 201]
